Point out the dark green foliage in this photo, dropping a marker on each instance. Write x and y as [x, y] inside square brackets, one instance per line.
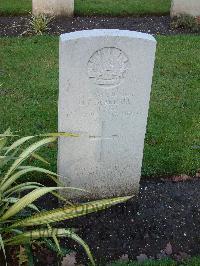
[52, 246]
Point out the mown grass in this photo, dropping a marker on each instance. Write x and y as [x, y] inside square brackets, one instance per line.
[168, 262]
[148, 263]
[15, 7]
[28, 98]
[96, 7]
[121, 7]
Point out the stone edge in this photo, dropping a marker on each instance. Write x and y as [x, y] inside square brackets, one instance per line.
[106, 32]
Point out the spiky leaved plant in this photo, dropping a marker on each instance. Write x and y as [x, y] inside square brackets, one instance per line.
[14, 228]
[39, 24]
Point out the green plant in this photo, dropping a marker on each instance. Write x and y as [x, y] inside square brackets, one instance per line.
[186, 22]
[18, 196]
[39, 24]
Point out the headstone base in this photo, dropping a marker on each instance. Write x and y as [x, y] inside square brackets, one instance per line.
[53, 7]
[187, 7]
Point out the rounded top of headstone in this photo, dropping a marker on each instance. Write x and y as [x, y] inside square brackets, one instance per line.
[106, 32]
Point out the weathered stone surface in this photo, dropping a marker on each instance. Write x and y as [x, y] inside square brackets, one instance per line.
[53, 7]
[105, 84]
[189, 7]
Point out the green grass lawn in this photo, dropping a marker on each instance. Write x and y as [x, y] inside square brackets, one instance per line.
[121, 7]
[96, 7]
[28, 98]
[191, 262]
[15, 7]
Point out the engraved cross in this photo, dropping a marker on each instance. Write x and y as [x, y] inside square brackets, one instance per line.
[102, 140]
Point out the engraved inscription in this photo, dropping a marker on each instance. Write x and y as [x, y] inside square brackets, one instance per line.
[107, 67]
[95, 115]
[120, 100]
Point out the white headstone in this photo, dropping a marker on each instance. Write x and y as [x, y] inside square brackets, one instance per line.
[105, 84]
[189, 7]
[53, 7]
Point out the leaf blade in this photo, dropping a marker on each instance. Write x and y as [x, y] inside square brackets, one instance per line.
[3, 248]
[24, 170]
[68, 212]
[23, 202]
[18, 143]
[27, 152]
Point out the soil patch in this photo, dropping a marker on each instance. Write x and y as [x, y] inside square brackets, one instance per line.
[165, 212]
[17, 26]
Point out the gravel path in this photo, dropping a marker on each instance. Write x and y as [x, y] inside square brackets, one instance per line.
[16, 26]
